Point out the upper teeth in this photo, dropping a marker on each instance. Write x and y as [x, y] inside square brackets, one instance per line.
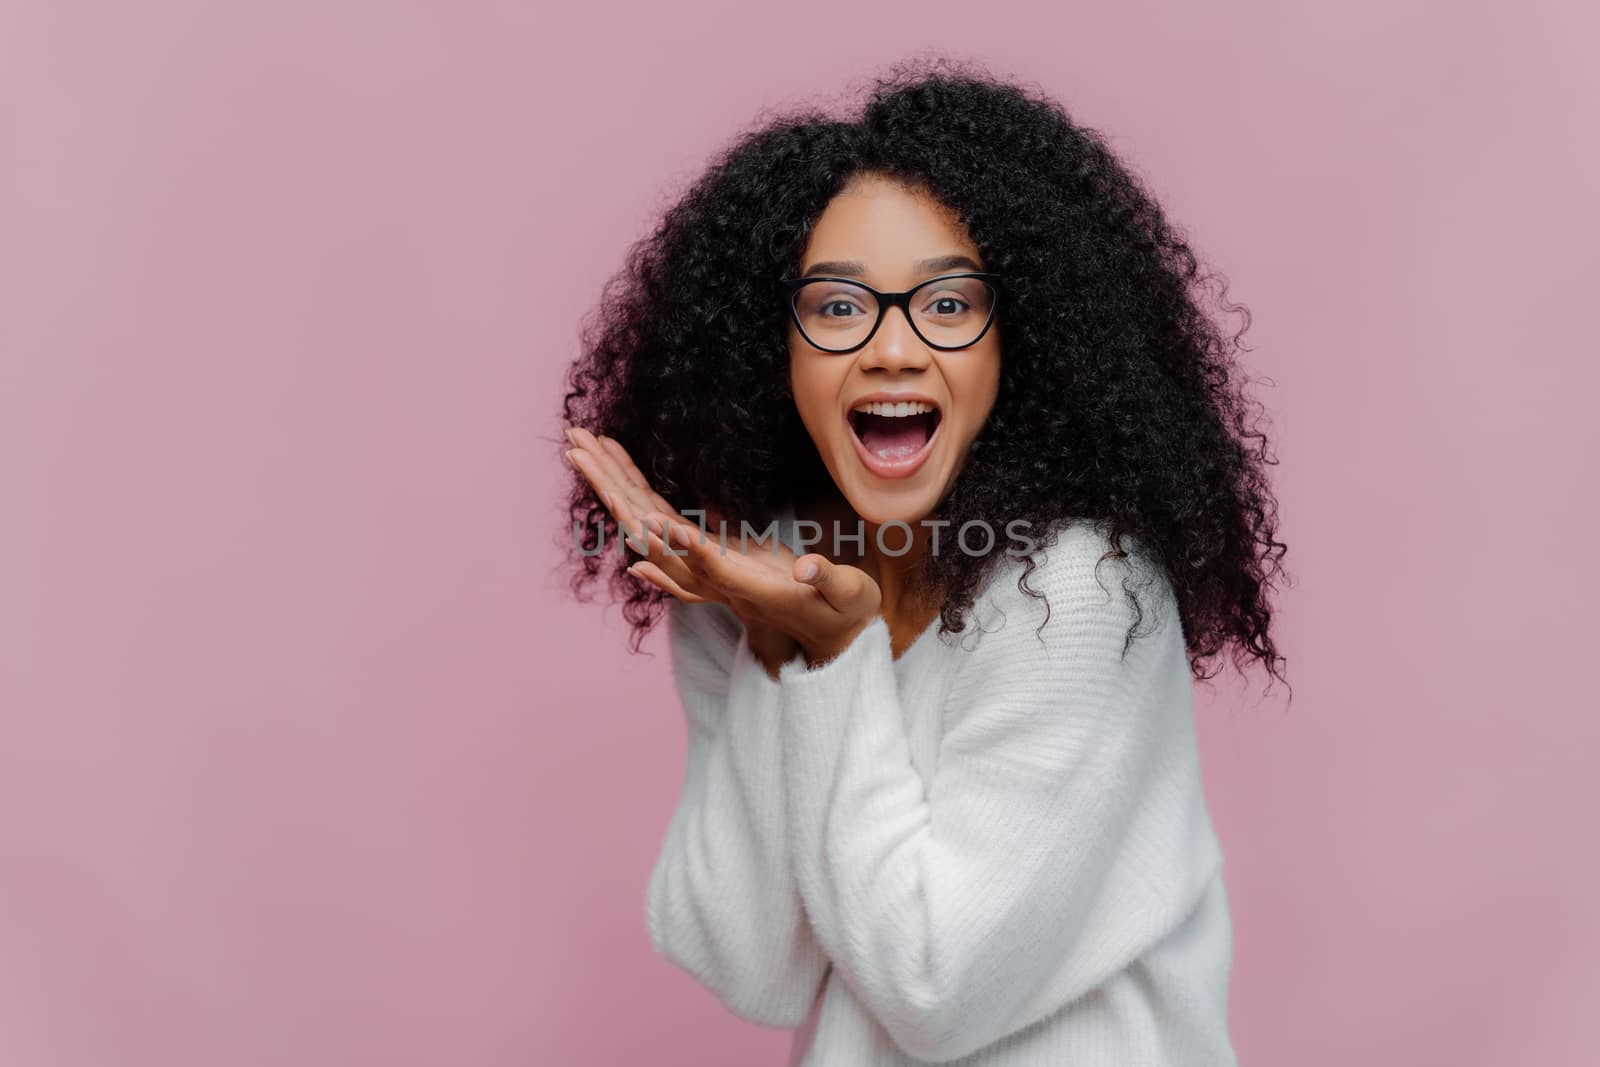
[895, 411]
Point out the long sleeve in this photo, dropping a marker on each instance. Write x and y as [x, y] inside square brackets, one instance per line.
[722, 903]
[1048, 849]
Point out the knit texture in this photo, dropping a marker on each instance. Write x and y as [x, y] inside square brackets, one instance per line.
[993, 850]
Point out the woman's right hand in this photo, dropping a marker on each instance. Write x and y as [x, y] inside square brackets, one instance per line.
[627, 494]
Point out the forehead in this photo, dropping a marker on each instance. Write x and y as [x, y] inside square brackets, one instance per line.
[887, 225]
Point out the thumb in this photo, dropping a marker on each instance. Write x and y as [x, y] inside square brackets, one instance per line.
[843, 587]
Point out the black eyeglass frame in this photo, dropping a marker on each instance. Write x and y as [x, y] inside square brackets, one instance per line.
[792, 287]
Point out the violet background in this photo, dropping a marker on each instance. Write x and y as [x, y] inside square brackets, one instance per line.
[306, 756]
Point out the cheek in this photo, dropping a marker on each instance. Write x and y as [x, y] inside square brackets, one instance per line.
[816, 393]
[978, 385]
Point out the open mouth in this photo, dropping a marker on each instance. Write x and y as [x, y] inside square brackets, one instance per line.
[893, 437]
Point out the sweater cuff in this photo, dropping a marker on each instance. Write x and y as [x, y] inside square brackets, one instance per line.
[834, 685]
[749, 684]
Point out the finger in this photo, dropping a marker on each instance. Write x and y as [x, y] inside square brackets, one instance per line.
[631, 489]
[624, 462]
[715, 522]
[592, 472]
[654, 575]
[629, 484]
[727, 571]
[671, 562]
[742, 537]
[602, 483]
[626, 503]
[844, 588]
[724, 534]
[646, 497]
[601, 460]
[631, 527]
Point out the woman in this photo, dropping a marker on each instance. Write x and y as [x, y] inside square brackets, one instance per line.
[942, 799]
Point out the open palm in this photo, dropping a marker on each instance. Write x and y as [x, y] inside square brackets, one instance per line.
[641, 511]
[785, 601]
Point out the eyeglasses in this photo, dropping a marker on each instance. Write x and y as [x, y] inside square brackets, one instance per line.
[840, 316]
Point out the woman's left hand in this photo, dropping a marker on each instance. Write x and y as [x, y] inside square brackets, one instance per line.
[823, 605]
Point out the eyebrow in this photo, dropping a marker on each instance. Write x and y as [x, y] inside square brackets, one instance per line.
[854, 268]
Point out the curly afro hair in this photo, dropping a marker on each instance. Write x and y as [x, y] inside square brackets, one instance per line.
[1118, 397]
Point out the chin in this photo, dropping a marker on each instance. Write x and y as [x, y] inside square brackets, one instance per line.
[879, 500]
[877, 510]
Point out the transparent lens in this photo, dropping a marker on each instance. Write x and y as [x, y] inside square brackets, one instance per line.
[835, 315]
[952, 311]
[838, 315]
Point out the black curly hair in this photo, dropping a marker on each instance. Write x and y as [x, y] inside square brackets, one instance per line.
[1118, 396]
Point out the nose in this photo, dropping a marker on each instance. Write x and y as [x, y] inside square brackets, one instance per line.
[895, 346]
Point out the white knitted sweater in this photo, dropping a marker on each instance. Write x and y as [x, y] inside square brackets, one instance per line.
[993, 850]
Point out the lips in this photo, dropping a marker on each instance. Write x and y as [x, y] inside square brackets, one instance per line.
[894, 445]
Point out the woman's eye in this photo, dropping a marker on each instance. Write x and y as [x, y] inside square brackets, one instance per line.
[838, 304]
[948, 305]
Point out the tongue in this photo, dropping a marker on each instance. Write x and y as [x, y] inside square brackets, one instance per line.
[891, 438]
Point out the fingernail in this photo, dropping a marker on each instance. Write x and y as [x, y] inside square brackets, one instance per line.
[572, 436]
[808, 571]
